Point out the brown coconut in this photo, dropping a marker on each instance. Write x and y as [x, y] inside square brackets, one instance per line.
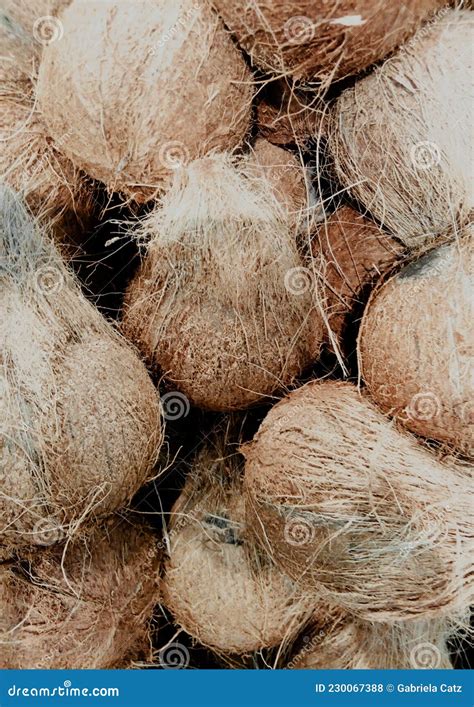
[416, 346]
[223, 305]
[343, 501]
[286, 117]
[133, 103]
[392, 136]
[218, 586]
[79, 415]
[340, 641]
[353, 253]
[322, 40]
[84, 605]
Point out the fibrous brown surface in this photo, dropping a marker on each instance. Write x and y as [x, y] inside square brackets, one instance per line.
[65, 376]
[220, 588]
[344, 502]
[124, 94]
[416, 346]
[340, 641]
[223, 305]
[287, 117]
[322, 40]
[84, 605]
[353, 253]
[401, 138]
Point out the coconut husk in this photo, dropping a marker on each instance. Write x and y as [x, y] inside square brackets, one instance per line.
[353, 253]
[339, 641]
[322, 40]
[343, 501]
[420, 372]
[286, 117]
[102, 106]
[66, 376]
[223, 305]
[218, 586]
[392, 140]
[84, 605]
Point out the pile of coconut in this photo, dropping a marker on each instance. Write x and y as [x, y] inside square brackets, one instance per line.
[260, 455]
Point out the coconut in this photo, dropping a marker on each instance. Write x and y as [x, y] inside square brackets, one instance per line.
[218, 586]
[416, 348]
[65, 377]
[55, 191]
[345, 502]
[84, 605]
[286, 117]
[223, 305]
[348, 643]
[353, 253]
[392, 138]
[321, 40]
[100, 97]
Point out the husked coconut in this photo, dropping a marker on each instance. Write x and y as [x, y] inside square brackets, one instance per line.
[344, 502]
[401, 137]
[79, 415]
[322, 40]
[223, 304]
[81, 606]
[416, 347]
[132, 103]
[219, 587]
[344, 642]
